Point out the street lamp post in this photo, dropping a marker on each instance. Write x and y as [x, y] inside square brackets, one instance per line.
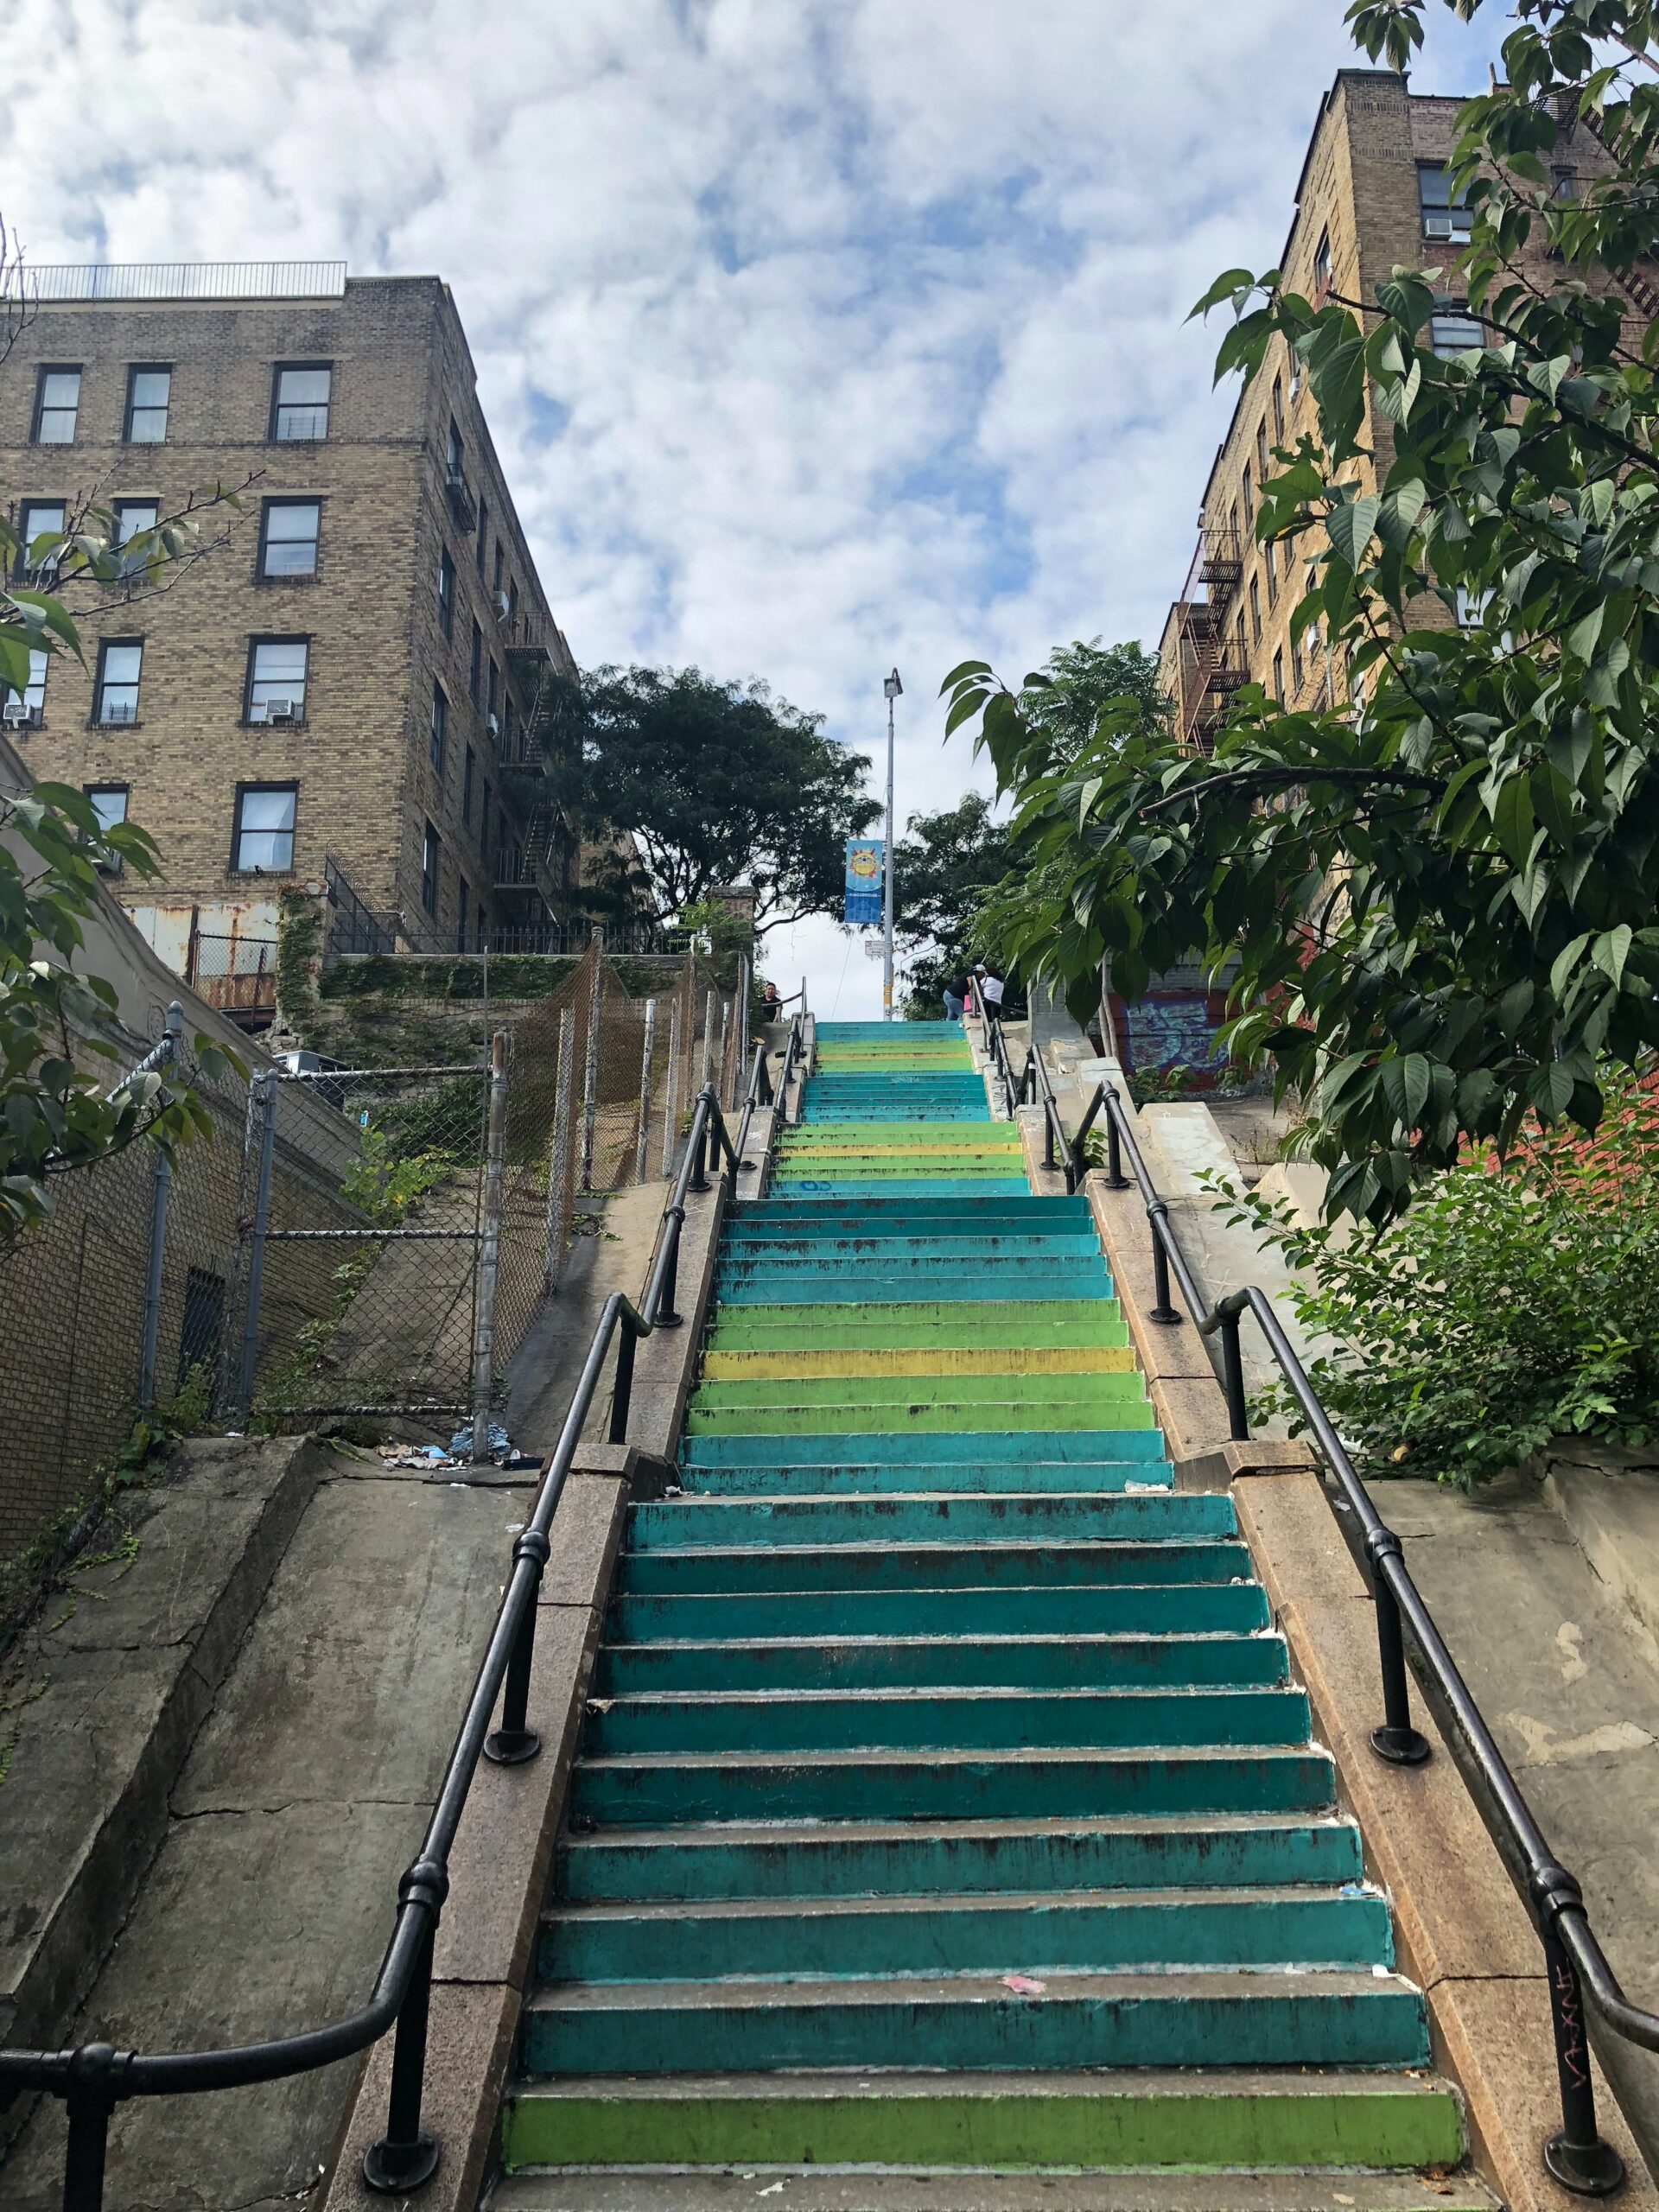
[894, 689]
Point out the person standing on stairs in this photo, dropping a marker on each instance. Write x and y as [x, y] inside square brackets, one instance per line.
[990, 987]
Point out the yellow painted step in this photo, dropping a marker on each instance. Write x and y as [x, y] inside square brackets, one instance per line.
[955, 1359]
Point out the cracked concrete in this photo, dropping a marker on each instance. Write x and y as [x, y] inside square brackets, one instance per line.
[304, 1794]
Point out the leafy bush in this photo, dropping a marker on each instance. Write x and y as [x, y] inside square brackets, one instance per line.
[1515, 1301]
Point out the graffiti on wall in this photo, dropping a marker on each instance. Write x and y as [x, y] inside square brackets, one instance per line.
[1163, 1032]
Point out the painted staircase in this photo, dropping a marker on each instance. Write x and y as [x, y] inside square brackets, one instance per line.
[947, 1830]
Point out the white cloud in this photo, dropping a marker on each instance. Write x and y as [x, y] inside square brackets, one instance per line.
[863, 320]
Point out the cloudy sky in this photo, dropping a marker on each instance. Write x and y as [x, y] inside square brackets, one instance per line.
[817, 335]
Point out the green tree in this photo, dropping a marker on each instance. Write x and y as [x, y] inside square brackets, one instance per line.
[946, 868]
[1443, 895]
[709, 783]
[1063, 702]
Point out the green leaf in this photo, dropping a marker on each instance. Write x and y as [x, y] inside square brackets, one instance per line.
[1406, 1085]
[1512, 819]
[1351, 528]
[1550, 1089]
[1611, 951]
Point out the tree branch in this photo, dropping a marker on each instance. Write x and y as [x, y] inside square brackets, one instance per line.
[1288, 778]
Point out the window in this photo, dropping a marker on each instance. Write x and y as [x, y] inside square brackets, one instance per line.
[289, 547]
[263, 840]
[1322, 265]
[446, 593]
[34, 690]
[1564, 184]
[1271, 567]
[1446, 214]
[276, 679]
[513, 604]
[148, 392]
[1263, 455]
[39, 518]
[132, 516]
[1250, 500]
[1296, 658]
[507, 725]
[468, 769]
[481, 544]
[1279, 411]
[440, 734]
[109, 803]
[500, 565]
[299, 405]
[1454, 332]
[1241, 658]
[484, 826]
[431, 864]
[1295, 378]
[492, 691]
[475, 667]
[57, 401]
[1279, 677]
[455, 451]
[119, 665]
[1255, 611]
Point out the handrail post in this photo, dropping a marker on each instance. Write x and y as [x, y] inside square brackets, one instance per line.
[665, 1317]
[1232, 1372]
[622, 1389]
[700, 1145]
[1162, 1309]
[1115, 1178]
[1397, 1740]
[515, 1740]
[89, 2104]
[1579, 2158]
[405, 2160]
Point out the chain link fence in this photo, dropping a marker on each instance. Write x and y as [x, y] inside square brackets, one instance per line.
[370, 1229]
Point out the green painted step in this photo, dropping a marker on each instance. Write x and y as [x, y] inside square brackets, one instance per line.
[951, 1784]
[956, 1416]
[966, 1858]
[908, 1394]
[1051, 1932]
[1220, 1607]
[984, 1565]
[970, 2023]
[1018, 1323]
[790, 1661]
[1076, 1478]
[982, 1719]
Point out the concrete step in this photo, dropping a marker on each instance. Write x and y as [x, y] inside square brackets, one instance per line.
[982, 1717]
[1194, 1853]
[919, 1448]
[911, 1569]
[951, 1784]
[850, 2188]
[1075, 1477]
[975, 2022]
[685, 1522]
[787, 1661]
[1218, 1608]
[1062, 1933]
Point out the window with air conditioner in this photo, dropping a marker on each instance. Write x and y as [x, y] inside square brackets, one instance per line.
[289, 539]
[263, 841]
[149, 393]
[120, 663]
[57, 404]
[299, 405]
[24, 710]
[1455, 332]
[1322, 265]
[38, 518]
[276, 673]
[1445, 214]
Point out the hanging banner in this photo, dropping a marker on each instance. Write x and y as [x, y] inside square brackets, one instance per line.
[864, 864]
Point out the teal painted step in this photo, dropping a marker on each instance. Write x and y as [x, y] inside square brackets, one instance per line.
[788, 1661]
[1051, 1932]
[1035, 1260]
[1222, 1608]
[898, 1567]
[1075, 1477]
[678, 1524]
[1024, 1206]
[951, 1784]
[976, 1859]
[1172, 2019]
[918, 1448]
[884, 1286]
[957, 1240]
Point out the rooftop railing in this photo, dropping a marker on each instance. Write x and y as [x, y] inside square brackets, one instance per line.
[178, 280]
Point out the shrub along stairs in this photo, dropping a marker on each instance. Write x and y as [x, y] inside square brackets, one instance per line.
[947, 1830]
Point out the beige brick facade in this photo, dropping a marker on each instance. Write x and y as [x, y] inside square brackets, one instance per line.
[400, 373]
[1359, 217]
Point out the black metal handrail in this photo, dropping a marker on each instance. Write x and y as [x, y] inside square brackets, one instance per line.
[1579, 2156]
[96, 2077]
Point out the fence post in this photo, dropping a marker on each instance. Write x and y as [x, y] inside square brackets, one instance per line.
[745, 980]
[709, 1004]
[160, 1190]
[489, 1251]
[671, 1107]
[264, 1087]
[558, 1166]
[645, 1090]
[724, 1038]
[590, 1072]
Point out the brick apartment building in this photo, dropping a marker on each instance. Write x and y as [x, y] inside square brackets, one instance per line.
[1373, 196]
[331, 699]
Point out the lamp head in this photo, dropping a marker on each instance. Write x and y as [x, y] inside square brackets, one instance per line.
[890, 687]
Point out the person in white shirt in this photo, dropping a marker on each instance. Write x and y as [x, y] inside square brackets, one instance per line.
[990, 989]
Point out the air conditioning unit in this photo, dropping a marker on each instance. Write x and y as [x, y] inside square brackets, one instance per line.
[281, 710]
[492, 725]
[19, 715]
[502, 606]
[1437, 227]
[118, 711]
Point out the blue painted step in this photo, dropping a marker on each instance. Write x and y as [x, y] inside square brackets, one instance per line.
[1075, 1477]
[920, 1448]
[977, 1566]
[792, 1661]
[1219, 1607]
